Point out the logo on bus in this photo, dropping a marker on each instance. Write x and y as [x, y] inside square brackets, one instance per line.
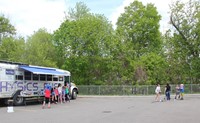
[10, 72]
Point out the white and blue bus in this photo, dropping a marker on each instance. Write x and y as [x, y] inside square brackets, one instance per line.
[19, 81]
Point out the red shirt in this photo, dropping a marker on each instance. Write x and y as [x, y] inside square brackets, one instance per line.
[47, 93]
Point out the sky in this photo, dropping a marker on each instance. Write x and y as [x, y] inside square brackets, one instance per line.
[29, 15]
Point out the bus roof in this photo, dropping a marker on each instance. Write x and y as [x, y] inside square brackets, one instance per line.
[35, 69]
[44, 70]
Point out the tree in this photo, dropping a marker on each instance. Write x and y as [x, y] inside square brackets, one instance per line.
[40, 49]
[185, 18]
[85, 44]
[155, 67]
[12, 49]
[6, 28]
[79, 11]
[139, 26]
[138, 30]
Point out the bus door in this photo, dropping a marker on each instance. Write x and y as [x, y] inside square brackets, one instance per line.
[67, 80]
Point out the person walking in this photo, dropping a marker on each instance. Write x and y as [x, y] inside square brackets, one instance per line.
[158, 92]
[167, 91]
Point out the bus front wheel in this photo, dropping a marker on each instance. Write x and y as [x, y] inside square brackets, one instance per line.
[74, 94]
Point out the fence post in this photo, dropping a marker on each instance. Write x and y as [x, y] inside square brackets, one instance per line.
[123, 90]
[99, 90]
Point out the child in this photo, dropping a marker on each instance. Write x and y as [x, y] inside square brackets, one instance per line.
[181, 91]
[63, 93]
[60, 92]
[53, 95]
[47, 94]
[67, 93]
[56, 94]
[158, 92]
[177, 92]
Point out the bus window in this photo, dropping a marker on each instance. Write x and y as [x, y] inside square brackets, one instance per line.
[27, 75]
[60, 78]
[49, 77]
[35, 77]
[55, 78]
[67, 79]
[19, 77]
[42, 77]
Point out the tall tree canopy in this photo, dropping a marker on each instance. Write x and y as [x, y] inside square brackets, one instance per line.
[185, 41]
[84, 45]
[6, 28]
[12, 49]
[139, 26]
[95, 53]
[40, 49]
[138, 30]
[79, 11]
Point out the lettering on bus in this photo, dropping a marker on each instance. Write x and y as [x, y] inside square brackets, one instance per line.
[29, 86]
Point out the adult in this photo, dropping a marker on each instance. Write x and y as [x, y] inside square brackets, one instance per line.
[167, 91]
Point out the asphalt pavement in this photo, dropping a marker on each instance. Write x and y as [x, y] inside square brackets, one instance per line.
[108, 109]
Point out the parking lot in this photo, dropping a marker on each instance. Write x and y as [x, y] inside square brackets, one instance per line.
[108, 109]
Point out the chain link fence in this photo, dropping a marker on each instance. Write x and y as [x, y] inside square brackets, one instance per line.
[131, 90]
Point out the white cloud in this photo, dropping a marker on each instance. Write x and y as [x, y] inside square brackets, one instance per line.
[30, 15]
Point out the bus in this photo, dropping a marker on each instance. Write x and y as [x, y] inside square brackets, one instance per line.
[19, 81]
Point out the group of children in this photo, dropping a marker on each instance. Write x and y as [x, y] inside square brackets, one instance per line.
[179, 92]
[55, 95]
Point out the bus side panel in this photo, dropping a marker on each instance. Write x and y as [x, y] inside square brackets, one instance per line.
[36, 88]
[7, 88]
[8, 85]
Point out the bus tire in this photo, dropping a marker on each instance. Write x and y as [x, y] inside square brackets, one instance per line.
[17, 101]
[74, 94]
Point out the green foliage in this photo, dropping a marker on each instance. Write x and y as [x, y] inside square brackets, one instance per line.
[12, 49]
[6, 29]
[40, 49]
[139, 28]
[133, 54]
[85, 45]
[155, 67]
[185, 41]
[79, 11]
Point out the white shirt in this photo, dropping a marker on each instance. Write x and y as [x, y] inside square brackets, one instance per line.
[60, 90]
[158, 89]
